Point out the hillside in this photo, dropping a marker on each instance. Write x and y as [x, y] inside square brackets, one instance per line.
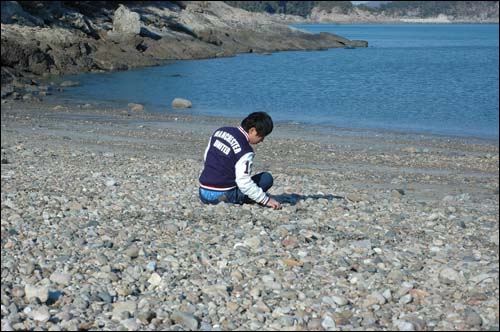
[384, 12]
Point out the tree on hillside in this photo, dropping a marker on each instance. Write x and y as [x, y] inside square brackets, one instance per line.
[300, 8]
[434, 8]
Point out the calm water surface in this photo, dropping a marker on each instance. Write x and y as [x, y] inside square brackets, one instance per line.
[439, 79]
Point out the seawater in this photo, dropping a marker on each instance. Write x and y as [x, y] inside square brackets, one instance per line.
[437, 79]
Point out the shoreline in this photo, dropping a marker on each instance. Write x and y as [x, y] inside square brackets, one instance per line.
[102, 228]
[308, 129]
[160, 111]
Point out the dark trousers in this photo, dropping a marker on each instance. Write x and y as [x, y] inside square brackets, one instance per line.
[264, 180]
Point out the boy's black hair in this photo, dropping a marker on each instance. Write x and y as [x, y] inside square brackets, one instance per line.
[261, 121]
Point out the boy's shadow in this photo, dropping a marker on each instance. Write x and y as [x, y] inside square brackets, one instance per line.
[292, 199]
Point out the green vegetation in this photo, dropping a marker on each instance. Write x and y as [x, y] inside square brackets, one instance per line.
[395, 8]
[434, 8]
[301, 8]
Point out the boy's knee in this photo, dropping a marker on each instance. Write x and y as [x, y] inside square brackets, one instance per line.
[268, 178]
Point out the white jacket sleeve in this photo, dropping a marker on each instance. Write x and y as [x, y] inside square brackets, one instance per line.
[206, 150]
[243, 169]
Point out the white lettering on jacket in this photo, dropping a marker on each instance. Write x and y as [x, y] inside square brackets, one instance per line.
[222, 147]
[229, 139]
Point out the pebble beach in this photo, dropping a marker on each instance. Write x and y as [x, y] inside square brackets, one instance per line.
[102, 228]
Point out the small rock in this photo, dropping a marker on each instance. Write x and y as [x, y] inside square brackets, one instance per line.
[42, 293]
[132, 251]
[472, 318]
[339, 300]
[253, 242]
[41, 315]
[406, 326]
[151, 266]
[186, 319]
[354, 197]
[328, 323]
[131, 324]
[123, 307]
[155, 279]
[69, 83]
[433, 216]
[405, 299]
[291, 262]
[60, 278]
[448, 276]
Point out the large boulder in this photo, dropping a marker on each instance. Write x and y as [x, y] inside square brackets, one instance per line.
[135, 107]
[181, 103]
[126, 21]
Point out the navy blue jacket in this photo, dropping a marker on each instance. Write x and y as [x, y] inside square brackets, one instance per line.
[228, 164]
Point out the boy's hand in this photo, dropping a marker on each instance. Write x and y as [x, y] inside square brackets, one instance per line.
[274, 204]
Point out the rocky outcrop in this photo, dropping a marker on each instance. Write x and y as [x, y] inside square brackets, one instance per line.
[70, 37]
[12, 12]
[125, 21]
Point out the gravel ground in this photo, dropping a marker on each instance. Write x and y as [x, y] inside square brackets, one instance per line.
[102, 228]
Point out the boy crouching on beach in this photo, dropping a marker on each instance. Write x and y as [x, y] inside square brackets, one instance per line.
[226, 176]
